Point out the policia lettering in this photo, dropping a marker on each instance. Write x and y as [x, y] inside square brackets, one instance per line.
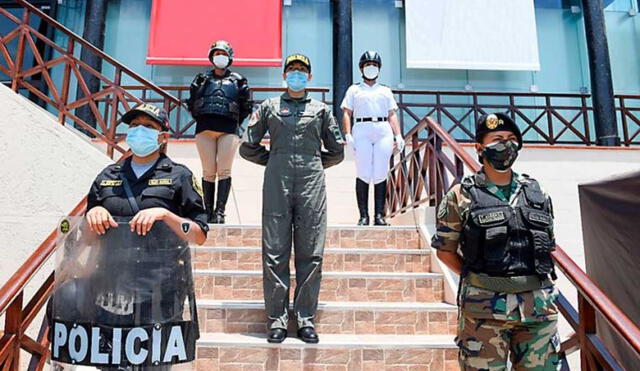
[294, 197]
[502, 236]
[86, 344]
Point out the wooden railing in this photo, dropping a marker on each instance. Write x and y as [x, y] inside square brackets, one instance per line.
[181, 120]
[65, 71]
[545, 118]
[18, 317]
[433, 163]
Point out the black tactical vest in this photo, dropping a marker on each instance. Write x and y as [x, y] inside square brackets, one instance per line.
[503, 240]
[218, 96]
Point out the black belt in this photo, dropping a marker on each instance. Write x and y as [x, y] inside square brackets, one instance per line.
[371, 119]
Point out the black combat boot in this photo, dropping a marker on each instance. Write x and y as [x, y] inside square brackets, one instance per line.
[276, 335]
[224, 186]
[379, 194]
[308, 335]
[362, 196]
[209, 194]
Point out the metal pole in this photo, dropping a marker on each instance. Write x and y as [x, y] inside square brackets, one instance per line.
[604, 111]
[94, 23]
[342, 53]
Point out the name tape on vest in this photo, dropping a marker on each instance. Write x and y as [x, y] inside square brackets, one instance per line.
[110, 183]
[157, 182]
[496, 216]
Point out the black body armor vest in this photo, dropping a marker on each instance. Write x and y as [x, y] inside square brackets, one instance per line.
[503, 240]
[218, 97]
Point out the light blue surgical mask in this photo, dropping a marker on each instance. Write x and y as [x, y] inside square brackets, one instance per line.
[142, 140]
[297, 80]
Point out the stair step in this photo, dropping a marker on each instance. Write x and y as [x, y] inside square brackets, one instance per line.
[367, 237]
[231, 316]
[338, 260]
[336, 286]
[217, 351]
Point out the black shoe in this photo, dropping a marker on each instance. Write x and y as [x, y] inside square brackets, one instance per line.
[276, 335]
[209, 194]
[224, 186]
[308, 335]
[379, 193]
[362, 196]
[378, 219]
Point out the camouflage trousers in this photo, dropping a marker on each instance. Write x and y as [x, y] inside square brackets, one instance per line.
[485, 344]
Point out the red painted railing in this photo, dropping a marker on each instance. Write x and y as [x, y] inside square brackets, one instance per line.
[433, 163]
[18, 316]
[544, 118]
[66, 66]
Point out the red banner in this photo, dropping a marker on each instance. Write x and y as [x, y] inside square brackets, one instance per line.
[181, 32]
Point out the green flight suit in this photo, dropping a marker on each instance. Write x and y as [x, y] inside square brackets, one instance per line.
[294, 207]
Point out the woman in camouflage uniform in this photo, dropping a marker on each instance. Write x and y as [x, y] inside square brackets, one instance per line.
[495, 229]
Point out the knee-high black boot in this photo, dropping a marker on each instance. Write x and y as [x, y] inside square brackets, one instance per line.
[362, 196]
[209, 194]
[379, 193]
[224, 186]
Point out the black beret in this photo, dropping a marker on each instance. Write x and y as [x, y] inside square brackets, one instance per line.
[497, 122]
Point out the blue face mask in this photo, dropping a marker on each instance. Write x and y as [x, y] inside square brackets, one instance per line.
[142, 140]
[297, 80]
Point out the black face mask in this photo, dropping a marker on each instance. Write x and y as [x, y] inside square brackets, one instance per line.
[501, 155]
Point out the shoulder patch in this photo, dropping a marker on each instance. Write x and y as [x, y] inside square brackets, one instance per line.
[196, 185]
[255, 117]
[443, 210]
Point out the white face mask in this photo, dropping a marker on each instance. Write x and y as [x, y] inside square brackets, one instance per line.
[371, 72]
[220, 61]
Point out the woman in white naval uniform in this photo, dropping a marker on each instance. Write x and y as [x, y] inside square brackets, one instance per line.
[373, 109]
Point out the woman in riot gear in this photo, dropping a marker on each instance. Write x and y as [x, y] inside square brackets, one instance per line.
[219, 101]
[144, 211]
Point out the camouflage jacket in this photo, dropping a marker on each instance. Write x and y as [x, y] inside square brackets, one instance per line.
[536, 305]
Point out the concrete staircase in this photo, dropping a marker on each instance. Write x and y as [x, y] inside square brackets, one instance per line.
[380, 306]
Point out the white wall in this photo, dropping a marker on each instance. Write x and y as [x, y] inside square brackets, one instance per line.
[46, 170]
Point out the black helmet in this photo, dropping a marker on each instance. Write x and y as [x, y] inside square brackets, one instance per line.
[370, 56]
[221, 45]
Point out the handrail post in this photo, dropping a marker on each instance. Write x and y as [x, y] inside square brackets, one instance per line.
[17, 66]
[111, 136]
[547, 108]
[13, 324]
[401, 112]
[585, 115]
[623, 116]
[62, 113]
[587, 324]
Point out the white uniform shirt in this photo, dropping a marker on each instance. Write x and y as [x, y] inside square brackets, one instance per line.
[369, 101]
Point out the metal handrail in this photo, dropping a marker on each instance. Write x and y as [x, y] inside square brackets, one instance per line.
[592, 299]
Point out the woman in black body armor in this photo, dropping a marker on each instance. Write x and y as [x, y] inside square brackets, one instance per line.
[219, 102]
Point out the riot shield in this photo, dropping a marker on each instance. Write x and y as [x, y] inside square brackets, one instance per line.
[122, 301]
